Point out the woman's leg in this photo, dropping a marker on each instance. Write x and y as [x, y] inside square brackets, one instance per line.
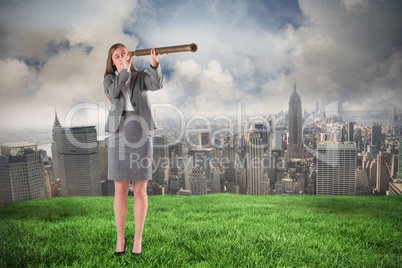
[140, 211]
[120, 211]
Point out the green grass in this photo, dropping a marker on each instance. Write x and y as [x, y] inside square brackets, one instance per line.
[217, 230]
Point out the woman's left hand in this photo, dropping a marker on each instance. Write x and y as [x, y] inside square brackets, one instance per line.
[154, 58]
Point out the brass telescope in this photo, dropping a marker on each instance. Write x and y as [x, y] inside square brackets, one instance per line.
[165, 50]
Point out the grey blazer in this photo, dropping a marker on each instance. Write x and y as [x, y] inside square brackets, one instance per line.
[140, 83]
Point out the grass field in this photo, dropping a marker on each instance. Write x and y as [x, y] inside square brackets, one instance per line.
[219, 230]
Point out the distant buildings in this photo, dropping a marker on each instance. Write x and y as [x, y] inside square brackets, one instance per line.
[336, 169]
[21, 174]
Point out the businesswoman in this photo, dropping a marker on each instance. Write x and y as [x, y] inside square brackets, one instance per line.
[129, 123]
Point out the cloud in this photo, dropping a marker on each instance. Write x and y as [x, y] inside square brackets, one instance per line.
[54, 54]
[356, 6]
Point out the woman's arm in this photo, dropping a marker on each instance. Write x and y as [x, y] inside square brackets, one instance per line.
[113, 86]
[154, 80]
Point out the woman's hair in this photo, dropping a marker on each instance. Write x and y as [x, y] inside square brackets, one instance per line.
[110, 68]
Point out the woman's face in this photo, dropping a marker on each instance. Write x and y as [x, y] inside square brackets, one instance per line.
[119, 57]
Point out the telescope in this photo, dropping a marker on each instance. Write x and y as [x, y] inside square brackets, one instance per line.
[165, 50]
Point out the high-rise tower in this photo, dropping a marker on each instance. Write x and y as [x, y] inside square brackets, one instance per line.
[336, 169]
[21, 173]
[384, 162]
[77, 155]
[295, 147]
[376, 136]
[56, 125]
[257, 184]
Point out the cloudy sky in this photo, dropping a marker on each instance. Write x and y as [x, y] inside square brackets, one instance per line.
[53, 55]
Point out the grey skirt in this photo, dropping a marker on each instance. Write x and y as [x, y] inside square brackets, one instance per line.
[130, 151]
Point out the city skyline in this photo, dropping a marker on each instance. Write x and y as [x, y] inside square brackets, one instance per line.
[248, 52]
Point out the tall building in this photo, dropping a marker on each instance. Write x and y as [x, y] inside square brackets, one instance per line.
[198, 181]
[336, 169]
[21, 174]
[384, 165]
[350, 131]
[295, 146]
[373, 174]
[230, 161]
[277, 141]
[203, 157]
[77, 153]
[264, 133]
[203, 139]
[160, 159]
[256, 184]
[376, 136]
[217, 180]
[56, 125]
[185, 164]
[400, 162]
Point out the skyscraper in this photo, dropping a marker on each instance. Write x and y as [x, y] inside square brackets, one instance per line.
[336, 169]
[400, 162]
[21, 173]
[376, 136]
[78, 160]
[277, 141]
[295, 146]
[264, 131]
[203, 157]
[198, 181]
[185, 164]
[256, 184]
[384, 164]
[160, 158]
[56, 125]
[204, 140]
[350, 131]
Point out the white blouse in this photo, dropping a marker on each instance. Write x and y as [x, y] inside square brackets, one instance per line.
[126, 94]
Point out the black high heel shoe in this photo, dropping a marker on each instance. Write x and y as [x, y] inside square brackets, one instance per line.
[117, 254]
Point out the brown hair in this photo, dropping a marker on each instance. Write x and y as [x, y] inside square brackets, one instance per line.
[110, 68]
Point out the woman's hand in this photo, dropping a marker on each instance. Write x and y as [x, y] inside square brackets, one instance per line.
[127, 61]
[154, 58]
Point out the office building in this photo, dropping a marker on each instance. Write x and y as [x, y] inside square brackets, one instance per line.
[256, 184]
[77, 153]
[21, 173]
[277, 140]
[198, 181]
[350, 131]
[295, 144]
[203, 139]
[203, 157]
[160, 159]
[217, 180]
[336, 169]
[184, 165]
[56, 125]
[376, 136]
[384, 164]
[264, 133]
